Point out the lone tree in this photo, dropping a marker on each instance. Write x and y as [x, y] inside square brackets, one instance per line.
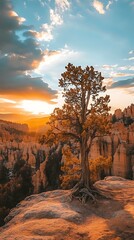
[84, 115]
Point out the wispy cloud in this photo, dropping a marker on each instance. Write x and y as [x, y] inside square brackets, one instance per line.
[116, 71]
[126, 67]
[131, 52]
[42, 3]
[55, 18]
[55, 61]
[131, 58]
[109, 67]
[121, 74]
[108, 5]
[63, 4]
[99, 6]
[45, 33]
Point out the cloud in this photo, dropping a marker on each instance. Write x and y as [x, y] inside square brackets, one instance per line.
[62, 4]
[126, 67]
[108, 5]
[116, 71]
[121, 74]
[128, 83]
[7, 107]
[55, 18]
[19, 87]
[109, 67]
[131, 58]
[45, 33]
[19, 57]
[42, 3]
[122, 90]
[108, 82]
[99, 6]
[131, 68]
[131, 52]
[55, 61]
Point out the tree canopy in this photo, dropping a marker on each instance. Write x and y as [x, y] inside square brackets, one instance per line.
[84, 115]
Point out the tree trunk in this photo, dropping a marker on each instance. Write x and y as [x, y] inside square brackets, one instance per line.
[85, 177]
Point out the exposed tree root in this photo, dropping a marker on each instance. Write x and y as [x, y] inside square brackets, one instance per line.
[83, 194]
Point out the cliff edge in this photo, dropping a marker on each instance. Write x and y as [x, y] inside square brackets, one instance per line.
[51, 216]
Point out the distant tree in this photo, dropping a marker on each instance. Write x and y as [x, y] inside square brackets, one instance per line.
[99, 166]
[16, 189]
[3, 174]
[84, 115]
[26, 179]
[128, 121]
[17, 166]
[52, 169]
[114, 119]
[42, 139]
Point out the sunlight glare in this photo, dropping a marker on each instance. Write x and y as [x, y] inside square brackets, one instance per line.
[37, 107]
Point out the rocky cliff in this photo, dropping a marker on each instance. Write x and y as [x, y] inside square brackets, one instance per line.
[119, 144]
[51, 216]
[17, 144]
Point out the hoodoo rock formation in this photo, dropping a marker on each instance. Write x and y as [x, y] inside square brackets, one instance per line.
[119, 144]
[16, 144]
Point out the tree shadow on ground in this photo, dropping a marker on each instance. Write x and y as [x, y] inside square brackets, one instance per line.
[110, 219]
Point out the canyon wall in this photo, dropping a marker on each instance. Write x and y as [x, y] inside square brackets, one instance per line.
[16, 143]
[119, 144]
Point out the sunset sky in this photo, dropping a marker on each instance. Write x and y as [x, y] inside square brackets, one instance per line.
[38, 38]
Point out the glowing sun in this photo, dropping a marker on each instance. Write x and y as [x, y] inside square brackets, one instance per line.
[37, 107]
